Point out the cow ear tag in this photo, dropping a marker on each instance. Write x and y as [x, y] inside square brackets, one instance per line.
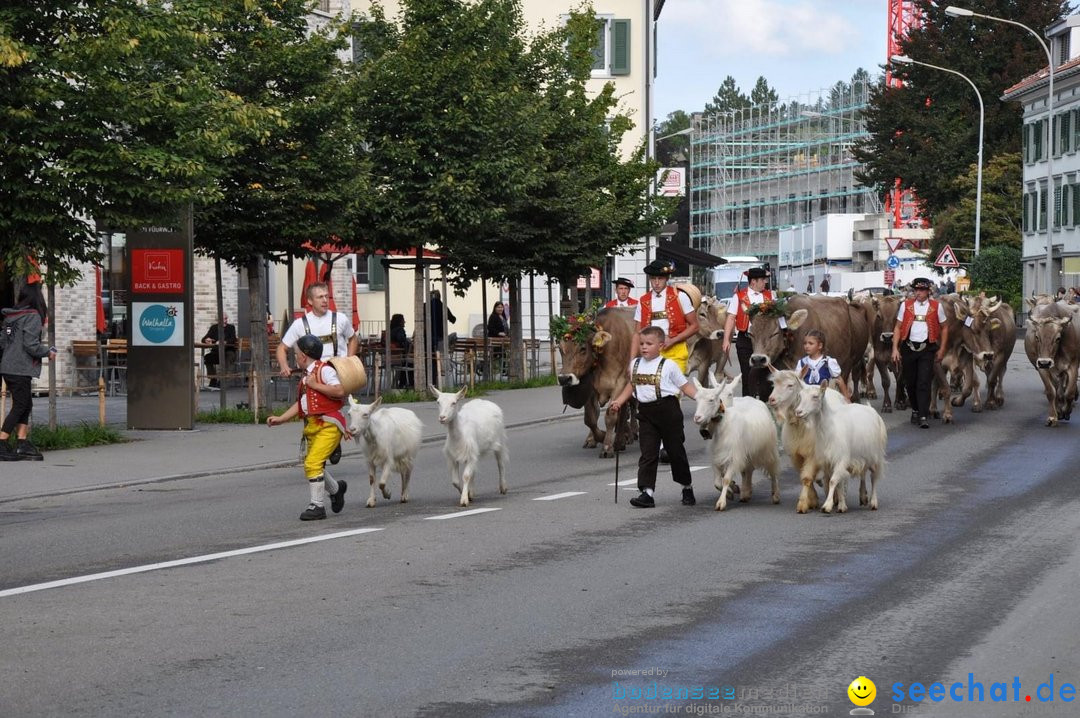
[783, 323]
[968, 321]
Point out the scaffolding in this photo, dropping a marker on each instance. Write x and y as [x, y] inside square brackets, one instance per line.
[763, 168]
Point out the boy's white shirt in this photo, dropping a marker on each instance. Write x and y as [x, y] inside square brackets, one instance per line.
[671, 381]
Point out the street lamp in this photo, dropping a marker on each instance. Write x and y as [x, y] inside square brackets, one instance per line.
[905, 60]
[954, 11]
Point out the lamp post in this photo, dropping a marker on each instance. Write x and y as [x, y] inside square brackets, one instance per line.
[953, 11]
[905, 60]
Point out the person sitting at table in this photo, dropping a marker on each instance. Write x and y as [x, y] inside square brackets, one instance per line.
[496, 323]
[212, 358]
[399, 340]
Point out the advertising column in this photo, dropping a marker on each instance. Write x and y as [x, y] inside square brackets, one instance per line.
[161, 371]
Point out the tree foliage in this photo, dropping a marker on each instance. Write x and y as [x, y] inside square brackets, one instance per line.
[1001, 206]
[999, 270]
[668, 149]
[926, 131]
[728, 97]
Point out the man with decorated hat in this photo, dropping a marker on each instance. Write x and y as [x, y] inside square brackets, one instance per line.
[754, 381]
[622, 294]
[321, 397]
[665, 307]
[919, 339]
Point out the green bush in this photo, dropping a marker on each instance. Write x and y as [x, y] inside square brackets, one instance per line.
[74, 437]
[999, 270]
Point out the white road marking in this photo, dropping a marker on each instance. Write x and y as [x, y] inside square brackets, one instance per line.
[459, 514]
[634, 481]
[181, 562]
[565, 494]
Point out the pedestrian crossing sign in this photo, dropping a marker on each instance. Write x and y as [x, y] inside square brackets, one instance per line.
[947, 258]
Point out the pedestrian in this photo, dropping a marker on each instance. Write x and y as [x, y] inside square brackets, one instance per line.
[919, 339]
[22, 351]
[656, 383]
[810, 285]
[754, 379]
[825, 285]
[334, 330]
[672, 311]
[496, 323]
[622, 294]
[212, 358]
[320, 400]
[817, 367]
[1060, 296]
[400, 342]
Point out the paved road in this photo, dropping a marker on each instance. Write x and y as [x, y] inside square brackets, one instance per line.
[539, 607]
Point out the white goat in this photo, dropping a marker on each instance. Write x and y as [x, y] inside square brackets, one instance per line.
[799, 435]
[391, 439]
[472, 430]
[851, 439]
[743, 437]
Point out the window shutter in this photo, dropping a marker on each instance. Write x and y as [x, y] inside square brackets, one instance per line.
[1025, 141]
[376, 274]
[620, 47]
[1076, 204]
[1066, 132]
[1025, 218]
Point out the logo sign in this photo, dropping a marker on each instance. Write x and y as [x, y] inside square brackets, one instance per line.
[158, 324]
[157, 271]
[947, 258]
[671, 182]
[892, 262]
[594, 279]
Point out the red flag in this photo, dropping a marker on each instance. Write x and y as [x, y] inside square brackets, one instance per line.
[101, 325]
[310, 277]
[33, 277]
[355, 309]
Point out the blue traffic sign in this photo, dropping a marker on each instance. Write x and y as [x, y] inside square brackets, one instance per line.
[892, 262]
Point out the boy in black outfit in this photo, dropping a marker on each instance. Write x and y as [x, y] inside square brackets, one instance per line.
[656, 382]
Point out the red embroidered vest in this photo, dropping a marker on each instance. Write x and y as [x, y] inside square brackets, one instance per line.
[630, 302]
[319, 403]
[932, 323]
[742, 318]
[672, 312]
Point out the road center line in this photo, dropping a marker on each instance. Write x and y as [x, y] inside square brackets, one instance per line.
[180, 562]
[553, 497]
[459, 514]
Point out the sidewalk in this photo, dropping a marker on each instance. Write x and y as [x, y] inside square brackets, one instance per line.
[211, 449]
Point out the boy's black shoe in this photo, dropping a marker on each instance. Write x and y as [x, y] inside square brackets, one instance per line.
[26, 451]
[924, 423]
[643, 501]
[335, 455]
[337, 501]
[664, 459]
[914, 417]
[313, 513]
[6, 452]
[688, 496]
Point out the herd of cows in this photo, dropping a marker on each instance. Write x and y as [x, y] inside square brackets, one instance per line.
[859, 332]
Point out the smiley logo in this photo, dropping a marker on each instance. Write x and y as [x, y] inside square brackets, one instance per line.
[862, 691]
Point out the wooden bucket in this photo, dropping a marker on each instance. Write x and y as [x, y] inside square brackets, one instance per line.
[350, 372]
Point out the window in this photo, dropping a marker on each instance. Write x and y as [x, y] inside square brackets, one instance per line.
[611, 54]
[1063, 48]
[1060, 211]
[362, 273]
[370, 274]
[1041, 220]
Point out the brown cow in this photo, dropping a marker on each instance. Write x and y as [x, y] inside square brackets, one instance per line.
[968, 341]
[706, 347]
[844, 324]
[1002, 341]
[1052, 343]
[881, 334]
[602, 361]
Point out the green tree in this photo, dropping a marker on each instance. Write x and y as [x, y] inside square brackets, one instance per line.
[1001, 206]
[762, 95]
[107, 121]
[668, 149]
[302, 179]
[728, 97]
[999, 270]
[923, 132]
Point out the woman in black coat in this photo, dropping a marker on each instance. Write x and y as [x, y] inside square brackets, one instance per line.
[23, 350]
[496, 324]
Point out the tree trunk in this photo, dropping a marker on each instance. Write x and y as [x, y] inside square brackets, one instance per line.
[420, 362]
[517, 347]
[260, 360]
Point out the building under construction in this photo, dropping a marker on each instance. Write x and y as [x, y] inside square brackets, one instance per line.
[764, 168]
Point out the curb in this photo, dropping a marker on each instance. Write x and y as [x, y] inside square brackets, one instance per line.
[432, 439]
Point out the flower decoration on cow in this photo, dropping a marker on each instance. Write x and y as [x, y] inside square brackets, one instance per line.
[578, 328]
[775, 308]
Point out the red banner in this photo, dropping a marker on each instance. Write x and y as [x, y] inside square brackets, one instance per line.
[157, 271]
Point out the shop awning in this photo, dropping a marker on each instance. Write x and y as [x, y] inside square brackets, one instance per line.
[679, 253]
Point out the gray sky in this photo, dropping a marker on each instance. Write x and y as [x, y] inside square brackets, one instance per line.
[799, 46]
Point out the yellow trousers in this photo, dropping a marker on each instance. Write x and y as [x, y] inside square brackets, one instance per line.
[322, 438]
[677, 353]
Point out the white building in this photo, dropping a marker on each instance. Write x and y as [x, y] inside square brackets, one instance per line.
[1061, 148]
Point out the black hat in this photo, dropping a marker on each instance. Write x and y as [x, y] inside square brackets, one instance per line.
[623, 281]
[920, 283]
[756, 273]
[660, 268]
[310, 345]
